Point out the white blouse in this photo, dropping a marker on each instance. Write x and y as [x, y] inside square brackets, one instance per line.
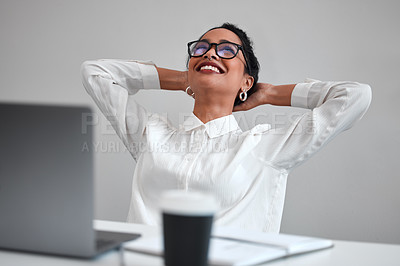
[245, 171]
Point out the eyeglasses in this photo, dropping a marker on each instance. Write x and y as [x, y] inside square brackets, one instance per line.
[225, 50]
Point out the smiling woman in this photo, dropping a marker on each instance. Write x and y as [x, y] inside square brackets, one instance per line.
[217, 89]
[226, 49]
[245, 171]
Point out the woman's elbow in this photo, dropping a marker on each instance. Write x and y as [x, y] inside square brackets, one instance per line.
[87, 69]
[364, 96]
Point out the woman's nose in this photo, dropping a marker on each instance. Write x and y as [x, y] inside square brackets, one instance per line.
[212, 53]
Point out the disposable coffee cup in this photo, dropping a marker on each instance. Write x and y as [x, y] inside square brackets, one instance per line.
[187, 222]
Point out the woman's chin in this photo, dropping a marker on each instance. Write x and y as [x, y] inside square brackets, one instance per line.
[208, 82]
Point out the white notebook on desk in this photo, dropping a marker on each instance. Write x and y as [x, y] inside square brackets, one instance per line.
[235, 247]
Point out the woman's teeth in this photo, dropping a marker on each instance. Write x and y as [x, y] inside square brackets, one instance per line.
[212, 68]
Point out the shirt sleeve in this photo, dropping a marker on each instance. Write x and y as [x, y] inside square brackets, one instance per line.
[333, 108]
[112, 84]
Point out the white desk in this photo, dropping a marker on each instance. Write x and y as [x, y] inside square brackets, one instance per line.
[342, 254]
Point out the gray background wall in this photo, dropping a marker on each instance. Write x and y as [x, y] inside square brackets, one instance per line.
[347, 191]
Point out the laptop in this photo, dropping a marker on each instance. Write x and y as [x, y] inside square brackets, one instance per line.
[46, 182]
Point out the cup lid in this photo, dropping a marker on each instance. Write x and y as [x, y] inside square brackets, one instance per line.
[190, 203]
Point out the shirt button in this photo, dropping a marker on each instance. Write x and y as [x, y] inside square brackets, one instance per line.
[188, 157]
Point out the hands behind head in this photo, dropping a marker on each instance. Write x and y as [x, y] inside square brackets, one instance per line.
[259, 97]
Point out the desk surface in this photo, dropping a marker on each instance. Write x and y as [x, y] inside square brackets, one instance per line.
[344, 253]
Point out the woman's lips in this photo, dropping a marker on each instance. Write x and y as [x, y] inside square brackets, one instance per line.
[209, 67]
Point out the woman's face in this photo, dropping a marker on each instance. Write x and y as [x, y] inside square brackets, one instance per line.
[231, 76]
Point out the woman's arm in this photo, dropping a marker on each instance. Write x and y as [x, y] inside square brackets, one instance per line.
[172, 79]
[266, 93]
[332, 108]
[112, 85]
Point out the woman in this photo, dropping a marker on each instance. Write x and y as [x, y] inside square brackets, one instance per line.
[245, 171]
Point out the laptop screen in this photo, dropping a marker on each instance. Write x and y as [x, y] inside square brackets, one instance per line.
[46, 179]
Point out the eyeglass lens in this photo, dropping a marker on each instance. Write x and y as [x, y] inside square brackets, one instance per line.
[224, 50]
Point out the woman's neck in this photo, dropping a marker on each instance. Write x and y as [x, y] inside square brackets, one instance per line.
[210, 111]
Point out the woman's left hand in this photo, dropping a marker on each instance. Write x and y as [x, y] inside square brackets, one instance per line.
[259, 97]
[266, 93]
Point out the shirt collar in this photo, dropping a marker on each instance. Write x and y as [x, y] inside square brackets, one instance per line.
[214, 128]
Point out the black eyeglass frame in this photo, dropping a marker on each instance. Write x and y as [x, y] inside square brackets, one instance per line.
[216, 51]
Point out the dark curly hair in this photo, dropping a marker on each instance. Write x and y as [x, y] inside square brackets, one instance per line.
[247, 45]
